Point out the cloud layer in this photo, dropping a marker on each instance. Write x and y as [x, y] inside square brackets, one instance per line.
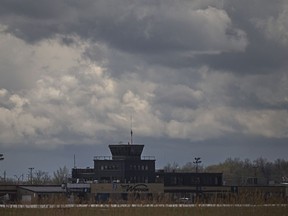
[74, 72]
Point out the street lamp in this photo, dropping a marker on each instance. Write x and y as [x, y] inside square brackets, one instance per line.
[197, 161]
[2, 158]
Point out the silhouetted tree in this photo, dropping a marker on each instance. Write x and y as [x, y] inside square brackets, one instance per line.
[41, 177]
[60, 175]
[171, 167]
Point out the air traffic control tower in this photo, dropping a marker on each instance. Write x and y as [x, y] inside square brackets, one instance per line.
[126, 165]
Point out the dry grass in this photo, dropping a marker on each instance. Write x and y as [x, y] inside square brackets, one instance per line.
[257, 206]
[153, 211]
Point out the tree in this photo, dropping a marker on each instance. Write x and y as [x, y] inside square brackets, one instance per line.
[60, 175]
[265, 168]
[191, 167]
[188, 167]
[171, 167]
[238, 172]
[41, 177]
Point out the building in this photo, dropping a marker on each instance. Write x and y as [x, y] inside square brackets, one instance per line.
[126, 165]
[128, 172]
[40, 193]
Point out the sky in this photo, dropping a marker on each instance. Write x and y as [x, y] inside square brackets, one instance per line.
[192, 78]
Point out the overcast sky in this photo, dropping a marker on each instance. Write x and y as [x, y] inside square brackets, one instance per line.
[200, 78]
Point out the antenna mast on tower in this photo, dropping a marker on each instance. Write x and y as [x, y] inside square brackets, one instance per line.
[131, 138]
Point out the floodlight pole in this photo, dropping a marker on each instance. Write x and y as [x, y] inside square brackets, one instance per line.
[2, 158]
[197, 162]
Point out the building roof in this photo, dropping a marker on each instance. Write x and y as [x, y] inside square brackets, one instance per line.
[124, 152]
[44, 189]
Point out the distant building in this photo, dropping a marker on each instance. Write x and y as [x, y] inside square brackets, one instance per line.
[125, 166]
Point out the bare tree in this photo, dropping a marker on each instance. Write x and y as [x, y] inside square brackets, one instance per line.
[61, 175]
[41, 177]
[171, 167]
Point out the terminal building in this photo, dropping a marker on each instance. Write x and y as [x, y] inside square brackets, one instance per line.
[127, 165]
[127, 171]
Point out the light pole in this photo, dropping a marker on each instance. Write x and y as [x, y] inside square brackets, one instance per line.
[2, 158]
[197, 162]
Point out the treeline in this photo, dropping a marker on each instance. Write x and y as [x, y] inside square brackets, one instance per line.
[237, 171]
[39, 177]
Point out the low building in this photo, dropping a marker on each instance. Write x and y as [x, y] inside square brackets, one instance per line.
[40, 193]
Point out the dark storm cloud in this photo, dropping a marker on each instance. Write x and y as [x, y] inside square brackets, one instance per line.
[137, 27]
[196, 74]
[258, 58]
[35, 20]
[261, 55]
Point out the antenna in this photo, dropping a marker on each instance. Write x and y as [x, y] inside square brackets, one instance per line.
[74, 161]
[131, 138]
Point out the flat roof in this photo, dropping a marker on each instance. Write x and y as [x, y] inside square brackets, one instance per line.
[44, 189]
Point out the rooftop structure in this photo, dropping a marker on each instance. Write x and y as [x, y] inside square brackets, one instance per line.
[126, 152]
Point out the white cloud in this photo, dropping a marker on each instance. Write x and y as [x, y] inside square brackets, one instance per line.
[22, 64]
[267, 123]
[276, 27]
[200, 124]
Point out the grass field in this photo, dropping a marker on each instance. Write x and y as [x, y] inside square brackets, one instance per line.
[148, 211]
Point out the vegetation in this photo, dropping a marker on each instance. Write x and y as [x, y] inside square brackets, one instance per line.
[237, 172]
[127, 211]
[39, 177]
[61, 175]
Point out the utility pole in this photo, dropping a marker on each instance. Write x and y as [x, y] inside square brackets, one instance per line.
[31, 174]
